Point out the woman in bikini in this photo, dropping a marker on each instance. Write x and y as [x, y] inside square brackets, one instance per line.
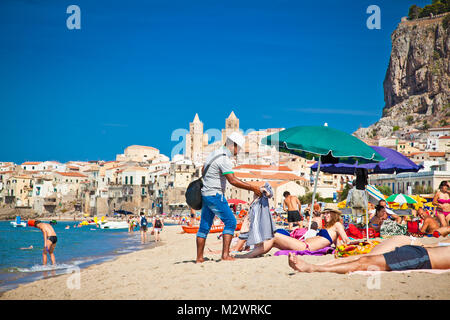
[325, 237]
[442, 201]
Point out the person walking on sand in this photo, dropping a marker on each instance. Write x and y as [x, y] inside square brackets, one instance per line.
[50, 239]
[157, 227]
[218, 169]
[143, 223]
[292, 205]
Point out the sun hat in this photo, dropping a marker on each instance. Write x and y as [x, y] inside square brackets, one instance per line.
[237, 138]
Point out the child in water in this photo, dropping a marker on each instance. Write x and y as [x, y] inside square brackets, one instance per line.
[50, 239]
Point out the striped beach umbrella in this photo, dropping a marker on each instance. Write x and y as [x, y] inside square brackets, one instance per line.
[400, 199]
[374, 192]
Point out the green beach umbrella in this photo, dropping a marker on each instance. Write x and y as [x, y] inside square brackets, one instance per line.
[400, 199]
[328, 144]
[332, 145]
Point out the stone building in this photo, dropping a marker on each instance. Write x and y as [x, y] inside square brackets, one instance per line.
[139, 154]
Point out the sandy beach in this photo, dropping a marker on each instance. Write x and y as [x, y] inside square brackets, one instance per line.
[169, 272]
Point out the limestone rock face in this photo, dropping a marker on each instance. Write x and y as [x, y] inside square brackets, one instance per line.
[417, 81]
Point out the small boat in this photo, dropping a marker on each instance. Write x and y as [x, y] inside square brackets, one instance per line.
[53, 222]
[214, 228]
[18, 223]
[114, 225]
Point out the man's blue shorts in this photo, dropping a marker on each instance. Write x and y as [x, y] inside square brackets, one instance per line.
[407, 258]
[212, 206]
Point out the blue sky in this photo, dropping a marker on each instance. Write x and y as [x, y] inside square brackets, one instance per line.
[138, 70]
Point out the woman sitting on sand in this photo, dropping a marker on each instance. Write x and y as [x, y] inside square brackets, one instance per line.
[325, 237]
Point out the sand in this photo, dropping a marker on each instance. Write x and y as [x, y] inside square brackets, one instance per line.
[168, 271]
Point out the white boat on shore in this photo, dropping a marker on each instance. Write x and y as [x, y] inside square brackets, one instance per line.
[114, 225]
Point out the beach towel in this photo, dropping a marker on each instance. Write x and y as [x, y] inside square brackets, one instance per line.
[360, 233]
[351, 250]
[413, 226]
[391, 228]
[298, 233]
[262, 226]
[320, 252]
[283, 231]
[372, 273]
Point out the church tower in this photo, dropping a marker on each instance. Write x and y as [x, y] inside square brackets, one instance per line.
[231, 125]
[195, 140]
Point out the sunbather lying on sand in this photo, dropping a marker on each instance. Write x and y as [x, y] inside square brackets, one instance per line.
[406, 257]
[386, 246]
[326, 237]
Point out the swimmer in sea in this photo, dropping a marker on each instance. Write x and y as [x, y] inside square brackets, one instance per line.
[50, 239]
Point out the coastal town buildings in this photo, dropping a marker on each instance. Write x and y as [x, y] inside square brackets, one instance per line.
[141, 179]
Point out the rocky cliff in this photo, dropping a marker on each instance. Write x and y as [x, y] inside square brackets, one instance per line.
[417, 82]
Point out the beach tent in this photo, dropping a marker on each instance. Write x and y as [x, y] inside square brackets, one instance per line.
[327, 144]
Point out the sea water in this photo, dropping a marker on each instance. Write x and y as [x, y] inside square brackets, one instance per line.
[76, 248]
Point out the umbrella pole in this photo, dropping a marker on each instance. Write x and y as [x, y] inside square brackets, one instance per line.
[314, 195]
[367, 223]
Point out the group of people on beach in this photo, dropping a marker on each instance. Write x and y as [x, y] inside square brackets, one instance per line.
[142, 222]
[397, 253]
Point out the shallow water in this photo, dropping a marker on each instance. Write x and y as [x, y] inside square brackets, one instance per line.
[76, 248]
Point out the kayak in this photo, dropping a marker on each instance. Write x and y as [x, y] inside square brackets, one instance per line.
[214, 228]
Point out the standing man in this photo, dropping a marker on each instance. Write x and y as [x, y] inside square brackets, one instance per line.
[292, 205]
[50, 239]
[143, 223]
[220, 169]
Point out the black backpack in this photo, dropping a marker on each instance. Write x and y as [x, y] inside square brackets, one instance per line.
[143, 221]
[193, 192]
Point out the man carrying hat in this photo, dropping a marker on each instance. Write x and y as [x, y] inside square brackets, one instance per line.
[220, 170]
